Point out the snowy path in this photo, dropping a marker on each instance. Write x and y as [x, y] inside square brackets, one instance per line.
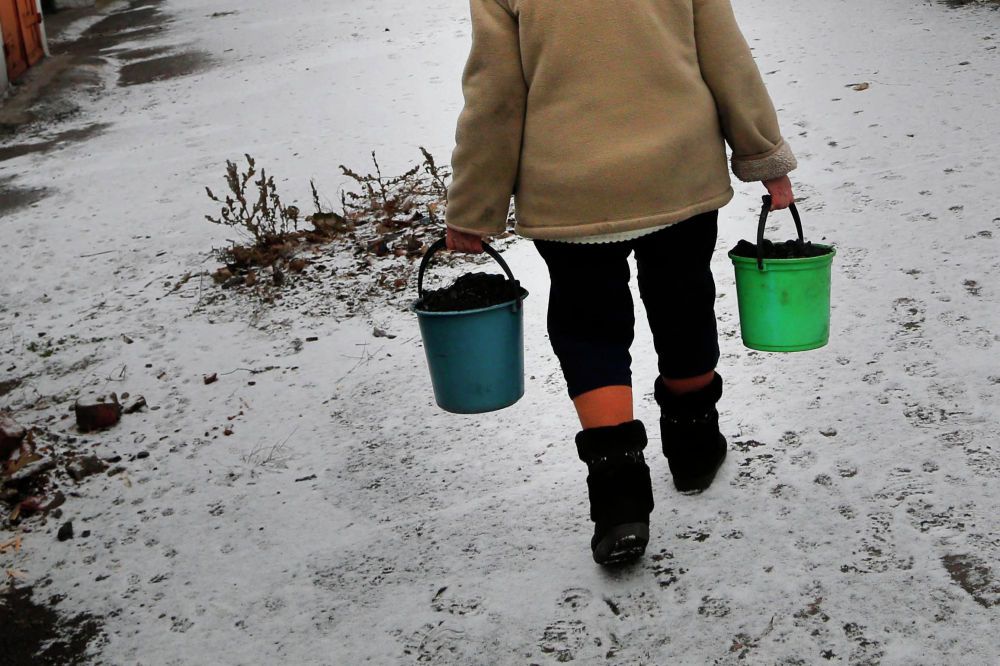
[854, 522]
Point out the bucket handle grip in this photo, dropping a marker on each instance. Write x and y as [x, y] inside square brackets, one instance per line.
[763, 220]
[439, 245]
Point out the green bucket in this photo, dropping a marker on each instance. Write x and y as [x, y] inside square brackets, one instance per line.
[475, 357]
[784, 304]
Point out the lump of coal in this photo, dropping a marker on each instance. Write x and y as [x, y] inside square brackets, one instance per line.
[87, 466]
[11, 435]
[790, 249]
[471, 292]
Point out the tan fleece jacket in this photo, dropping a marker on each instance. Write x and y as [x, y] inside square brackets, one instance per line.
[603, 116]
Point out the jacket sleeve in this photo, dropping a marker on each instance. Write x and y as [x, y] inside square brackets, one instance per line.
[488, 137]
[746, 112]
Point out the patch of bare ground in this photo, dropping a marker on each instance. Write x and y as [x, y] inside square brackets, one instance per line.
[163, 68]
[348, 262]
[35, 632]
[13, 198]
[995, 4]
[975, 577]
[54, 142]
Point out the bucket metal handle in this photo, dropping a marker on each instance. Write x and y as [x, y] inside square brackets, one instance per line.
[439, 245]
[763, 220]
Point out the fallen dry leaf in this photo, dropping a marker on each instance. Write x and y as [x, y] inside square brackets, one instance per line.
[861, 86]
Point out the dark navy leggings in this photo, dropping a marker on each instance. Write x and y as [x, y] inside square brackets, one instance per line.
[591, 316]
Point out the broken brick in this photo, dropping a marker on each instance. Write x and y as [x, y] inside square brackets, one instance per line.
[96, 415]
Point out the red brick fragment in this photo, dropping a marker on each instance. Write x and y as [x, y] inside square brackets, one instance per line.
[96, 415]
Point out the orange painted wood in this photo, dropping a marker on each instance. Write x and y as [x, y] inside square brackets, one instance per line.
[13, 44]
[31, 30]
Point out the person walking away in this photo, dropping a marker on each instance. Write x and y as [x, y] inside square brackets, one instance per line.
[608, 123]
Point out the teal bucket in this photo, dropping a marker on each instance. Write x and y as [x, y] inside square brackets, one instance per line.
[784, 304]
[475, 357]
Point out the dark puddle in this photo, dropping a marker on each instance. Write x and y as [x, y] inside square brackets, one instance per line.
[142, 54]
[163, 68]
[36, 633]
[127, 20]
[13, 198]
[124, 22]
[139, 21]
[69, 136]
[98, 45]
[113, 35]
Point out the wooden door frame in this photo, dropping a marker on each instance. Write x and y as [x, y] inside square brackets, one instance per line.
[30, 17]
[10, 29]
[4, 80]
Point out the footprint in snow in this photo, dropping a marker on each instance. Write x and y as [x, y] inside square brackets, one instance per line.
[564, 638]
[909, 315]
[436, 643]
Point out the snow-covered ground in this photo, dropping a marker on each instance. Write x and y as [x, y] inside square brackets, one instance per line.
[347, 519]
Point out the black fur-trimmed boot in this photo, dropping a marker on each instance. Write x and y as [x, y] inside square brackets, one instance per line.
[692, 443]
[621, 496]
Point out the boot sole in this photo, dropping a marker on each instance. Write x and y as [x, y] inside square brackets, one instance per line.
[693, 485]
[623, 543]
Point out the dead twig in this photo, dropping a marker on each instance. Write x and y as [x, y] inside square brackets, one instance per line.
[252, 371]
[180, 283]
[366, 357]
[255, 456]
[14, 544]
[15, 574]
[121, 375]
